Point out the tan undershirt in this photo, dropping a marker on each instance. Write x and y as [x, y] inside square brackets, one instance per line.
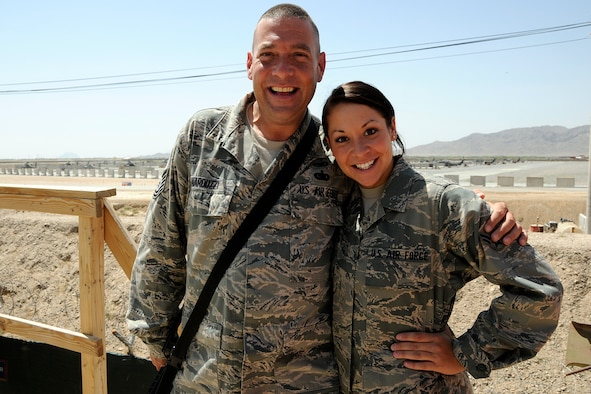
[370, 196]
[259, 152]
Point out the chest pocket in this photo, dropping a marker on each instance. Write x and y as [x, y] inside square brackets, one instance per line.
[211, 197]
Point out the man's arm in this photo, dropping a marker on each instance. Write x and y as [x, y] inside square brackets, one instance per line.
[503, 223]
[157, 282]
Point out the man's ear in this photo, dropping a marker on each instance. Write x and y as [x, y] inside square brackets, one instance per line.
[321, 66]
[249, 65]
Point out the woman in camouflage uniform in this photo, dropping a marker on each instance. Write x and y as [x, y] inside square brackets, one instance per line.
[409, 244]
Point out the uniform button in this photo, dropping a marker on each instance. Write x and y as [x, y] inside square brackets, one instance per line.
[481, 367]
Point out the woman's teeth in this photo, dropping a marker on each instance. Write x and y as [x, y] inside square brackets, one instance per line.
[365, 166]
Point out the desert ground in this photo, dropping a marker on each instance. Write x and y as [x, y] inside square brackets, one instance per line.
[39, 276]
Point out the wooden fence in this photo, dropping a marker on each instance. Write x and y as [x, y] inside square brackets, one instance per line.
[98, 224]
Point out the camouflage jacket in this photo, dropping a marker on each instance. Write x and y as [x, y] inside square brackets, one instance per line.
[268, 328]
[398, 269]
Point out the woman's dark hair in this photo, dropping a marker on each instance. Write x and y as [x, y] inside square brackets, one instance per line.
[357, 92]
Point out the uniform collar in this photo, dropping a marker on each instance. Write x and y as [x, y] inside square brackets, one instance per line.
[400, 185]
[231, 135]
[236, 128]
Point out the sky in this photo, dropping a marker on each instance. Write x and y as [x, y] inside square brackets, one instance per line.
[71, 71]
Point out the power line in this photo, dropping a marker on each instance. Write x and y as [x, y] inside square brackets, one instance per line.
[522, 33]
[99, 85]
[462, 54]
[115, 76]
[475, 40]
[156, 83]
[186, 78]
[425, 46]
[85, 88]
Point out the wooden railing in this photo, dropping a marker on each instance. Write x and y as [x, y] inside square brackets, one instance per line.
[98, 224]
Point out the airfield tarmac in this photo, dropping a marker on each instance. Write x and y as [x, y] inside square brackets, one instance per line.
[520, 171]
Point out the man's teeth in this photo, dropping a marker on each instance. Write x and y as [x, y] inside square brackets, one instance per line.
[365, 166]
[283, 90]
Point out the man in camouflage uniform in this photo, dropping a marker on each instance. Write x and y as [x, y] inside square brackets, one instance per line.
[268, 327]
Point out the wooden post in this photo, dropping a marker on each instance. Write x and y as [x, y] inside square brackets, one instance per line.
[92, 296]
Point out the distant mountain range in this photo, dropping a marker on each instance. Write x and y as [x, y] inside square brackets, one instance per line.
[541, 141]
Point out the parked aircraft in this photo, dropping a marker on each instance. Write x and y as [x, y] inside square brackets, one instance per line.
[450, 163]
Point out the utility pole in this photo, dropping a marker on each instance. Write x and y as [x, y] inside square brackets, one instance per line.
[588, 218]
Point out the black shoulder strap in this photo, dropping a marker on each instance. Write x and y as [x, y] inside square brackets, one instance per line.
[250, 223]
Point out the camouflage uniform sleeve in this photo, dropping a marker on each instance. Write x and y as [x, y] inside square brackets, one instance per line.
[519, 321]
[159, 271]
